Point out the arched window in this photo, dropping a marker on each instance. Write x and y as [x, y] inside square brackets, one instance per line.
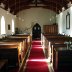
[12, 25]
[3, 25]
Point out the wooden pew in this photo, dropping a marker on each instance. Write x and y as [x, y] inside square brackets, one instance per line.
[10, 51]
[63, 60]
[54, 46]
[54, 41]
[18, 39]
[28, 45]
[48, 36]
[28, 36]
[24, 44]
[49, 39]
[58, 40]
[48, 45]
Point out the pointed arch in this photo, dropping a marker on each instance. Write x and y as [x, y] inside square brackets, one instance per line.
[36, 31]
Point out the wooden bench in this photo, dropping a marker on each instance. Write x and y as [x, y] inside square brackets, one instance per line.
[49, 39]
[58, 39]
[23, 45]
[54, 46]
[51, 42]
[20, 39]
[28, 36]
[51, 36]
[12, 52]
[23, 42]
[63, 60]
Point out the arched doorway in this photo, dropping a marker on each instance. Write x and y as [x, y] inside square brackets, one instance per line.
[36, 31]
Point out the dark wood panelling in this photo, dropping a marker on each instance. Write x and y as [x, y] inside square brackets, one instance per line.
[50, 29]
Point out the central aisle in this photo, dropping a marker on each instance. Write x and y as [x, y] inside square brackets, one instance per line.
[36, 61]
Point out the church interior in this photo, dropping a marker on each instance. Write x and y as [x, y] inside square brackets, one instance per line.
[35, 35]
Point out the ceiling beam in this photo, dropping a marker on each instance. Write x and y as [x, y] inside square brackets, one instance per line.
[17, 5]
[28, 7]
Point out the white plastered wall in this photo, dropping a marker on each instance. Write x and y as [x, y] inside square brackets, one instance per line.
[8, 20]
[61, 20]
[28, 17]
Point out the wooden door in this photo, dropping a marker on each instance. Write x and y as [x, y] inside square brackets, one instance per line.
[36, 31]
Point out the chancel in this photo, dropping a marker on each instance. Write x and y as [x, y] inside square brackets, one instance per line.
[35, 35]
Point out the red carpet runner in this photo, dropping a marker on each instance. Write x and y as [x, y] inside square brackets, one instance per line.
[36, 61]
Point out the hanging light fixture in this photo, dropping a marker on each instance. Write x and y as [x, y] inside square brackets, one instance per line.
[13, 12]
[63, 8]
[2, 5]
[19, 10]
[8, 10]
[59, 11]
[69, 4]
[50, 15]
[15, 8]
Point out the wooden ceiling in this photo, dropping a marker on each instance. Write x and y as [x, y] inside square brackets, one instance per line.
[18, 5]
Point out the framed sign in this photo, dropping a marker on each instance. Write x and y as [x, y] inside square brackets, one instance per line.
[8, 26]
[68, 21]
